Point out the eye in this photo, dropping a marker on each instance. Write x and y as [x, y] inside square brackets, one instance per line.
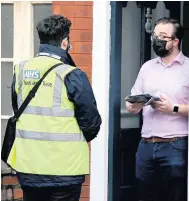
[162, 37]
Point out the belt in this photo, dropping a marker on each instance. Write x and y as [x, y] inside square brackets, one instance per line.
[159, 139]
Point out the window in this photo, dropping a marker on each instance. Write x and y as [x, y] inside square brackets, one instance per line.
[7, 13]
[18, 21]
[40, 11]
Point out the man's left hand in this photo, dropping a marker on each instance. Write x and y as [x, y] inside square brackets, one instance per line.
[163, 106]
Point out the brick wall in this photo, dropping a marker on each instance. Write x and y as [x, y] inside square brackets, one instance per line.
[81, 15]
[10, 189]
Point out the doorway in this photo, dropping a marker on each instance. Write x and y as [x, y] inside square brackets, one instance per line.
[130, 48]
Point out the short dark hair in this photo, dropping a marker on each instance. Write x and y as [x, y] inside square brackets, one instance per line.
[178, 29]
[52, 30]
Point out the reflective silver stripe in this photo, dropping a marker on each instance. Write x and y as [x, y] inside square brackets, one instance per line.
[45, 111]
[49, 136]
[49, 55]
[20, 78]
[58, 85]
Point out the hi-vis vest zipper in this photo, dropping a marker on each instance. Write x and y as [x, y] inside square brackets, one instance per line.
[48, 138]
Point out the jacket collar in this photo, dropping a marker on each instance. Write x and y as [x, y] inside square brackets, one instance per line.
[51, 49]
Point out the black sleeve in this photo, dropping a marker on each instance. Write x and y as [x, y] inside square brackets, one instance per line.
[81, 94]
[14, 95]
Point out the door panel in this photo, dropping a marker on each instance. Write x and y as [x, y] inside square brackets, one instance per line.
[130, 124]
[129, 142]
[136, 50]
[130, 59]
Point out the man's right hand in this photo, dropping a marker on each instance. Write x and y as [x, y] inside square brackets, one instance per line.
[134, 107]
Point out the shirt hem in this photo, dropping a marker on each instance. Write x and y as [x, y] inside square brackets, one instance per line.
[164, 135]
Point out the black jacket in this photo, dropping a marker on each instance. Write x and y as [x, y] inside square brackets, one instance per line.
[80, 93]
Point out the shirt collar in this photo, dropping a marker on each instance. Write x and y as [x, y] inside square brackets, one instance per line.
[51, 49]
[179, 59]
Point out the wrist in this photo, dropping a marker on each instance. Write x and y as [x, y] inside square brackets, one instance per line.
[175, 108]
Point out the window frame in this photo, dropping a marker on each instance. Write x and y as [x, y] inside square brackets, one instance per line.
[22, 37]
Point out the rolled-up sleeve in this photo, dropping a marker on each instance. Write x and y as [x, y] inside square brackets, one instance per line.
[81, 94]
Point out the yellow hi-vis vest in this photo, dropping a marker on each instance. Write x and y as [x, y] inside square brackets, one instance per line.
[48, 138]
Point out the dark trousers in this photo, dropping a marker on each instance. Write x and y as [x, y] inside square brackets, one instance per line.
[161, 170]
[66, 193]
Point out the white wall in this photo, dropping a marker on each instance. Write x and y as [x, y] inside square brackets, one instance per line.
[100, 84]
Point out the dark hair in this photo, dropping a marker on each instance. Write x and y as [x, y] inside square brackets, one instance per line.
[178, 30]
[52, 30]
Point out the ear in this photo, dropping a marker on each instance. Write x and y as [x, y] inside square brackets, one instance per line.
[176, 42]
[64, 44]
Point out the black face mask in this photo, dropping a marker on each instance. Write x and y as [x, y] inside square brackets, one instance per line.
[159, 47]
[69, 46]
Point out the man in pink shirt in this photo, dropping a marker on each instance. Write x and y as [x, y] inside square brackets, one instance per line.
[161, 159]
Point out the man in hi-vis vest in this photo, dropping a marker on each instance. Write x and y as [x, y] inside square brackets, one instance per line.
[50, 153]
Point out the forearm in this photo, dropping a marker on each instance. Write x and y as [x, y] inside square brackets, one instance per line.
[89, 120]
[183, 110]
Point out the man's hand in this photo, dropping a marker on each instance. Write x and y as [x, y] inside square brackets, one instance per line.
[134, 107]
[163, 106]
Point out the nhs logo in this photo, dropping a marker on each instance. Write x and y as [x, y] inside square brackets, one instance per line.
[31, 74]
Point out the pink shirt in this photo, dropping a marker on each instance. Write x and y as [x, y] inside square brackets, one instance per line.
[172, 81]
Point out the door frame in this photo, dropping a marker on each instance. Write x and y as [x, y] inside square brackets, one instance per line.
[100, 83]
[114, 168]
[115, 88]
[114, 101]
